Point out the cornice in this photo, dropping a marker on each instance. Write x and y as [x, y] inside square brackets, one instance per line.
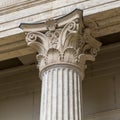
[9, 22]
[21, 5]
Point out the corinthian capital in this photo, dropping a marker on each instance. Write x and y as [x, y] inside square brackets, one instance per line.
[65, 40]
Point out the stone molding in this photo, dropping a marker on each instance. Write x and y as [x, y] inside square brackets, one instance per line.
[40, 12]
[65, 40]
[8, 6]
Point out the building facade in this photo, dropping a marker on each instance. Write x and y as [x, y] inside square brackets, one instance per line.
[66, 36]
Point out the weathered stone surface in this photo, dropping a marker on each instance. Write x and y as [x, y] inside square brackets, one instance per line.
[10, 20]
[65, 40]
[63, 46]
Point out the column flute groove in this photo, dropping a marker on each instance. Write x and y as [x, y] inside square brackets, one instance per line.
[66, 94]
[76, 96]
[63, 94]
[54, 102]
[79, 100]
[47, 81]
[52, 93]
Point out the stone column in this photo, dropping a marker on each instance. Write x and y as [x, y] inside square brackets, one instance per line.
[61, 99]
[63, 46]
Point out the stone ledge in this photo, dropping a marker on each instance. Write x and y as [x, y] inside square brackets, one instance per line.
[10, 22]
[108, 115]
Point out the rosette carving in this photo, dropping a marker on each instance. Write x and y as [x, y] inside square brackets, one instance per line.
[65, 40]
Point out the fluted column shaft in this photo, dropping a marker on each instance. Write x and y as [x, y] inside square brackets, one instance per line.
[61, 94]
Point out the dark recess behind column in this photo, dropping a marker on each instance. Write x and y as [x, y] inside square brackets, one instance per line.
[6, 64]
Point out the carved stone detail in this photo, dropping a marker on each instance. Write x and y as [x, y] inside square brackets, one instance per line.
[65, 40]
[63, 47]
